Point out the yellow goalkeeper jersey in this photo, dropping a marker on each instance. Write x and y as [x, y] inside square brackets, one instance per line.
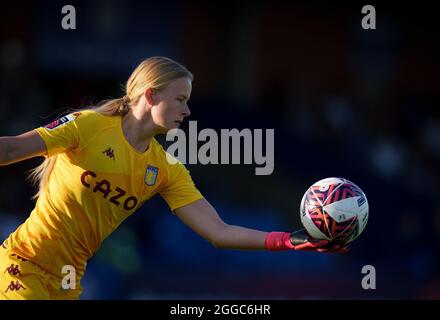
[97, 181]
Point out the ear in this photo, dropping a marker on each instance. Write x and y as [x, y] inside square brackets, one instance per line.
[149, 96]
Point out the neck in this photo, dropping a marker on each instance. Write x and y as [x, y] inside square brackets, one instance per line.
[138, 130]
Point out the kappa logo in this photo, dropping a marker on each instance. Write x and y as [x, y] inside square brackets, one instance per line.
[13, 270]
[109, 153]
[151, 175]
[14, 286]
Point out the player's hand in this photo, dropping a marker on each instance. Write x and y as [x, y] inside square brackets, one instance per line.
[302, 241]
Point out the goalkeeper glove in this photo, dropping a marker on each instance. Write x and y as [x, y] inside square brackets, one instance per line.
[301, 241]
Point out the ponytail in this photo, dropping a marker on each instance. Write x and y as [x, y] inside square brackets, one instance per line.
[114, 107]
[40, 175]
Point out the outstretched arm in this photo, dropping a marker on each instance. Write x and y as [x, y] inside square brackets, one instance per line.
[21, 147]
[201, 217]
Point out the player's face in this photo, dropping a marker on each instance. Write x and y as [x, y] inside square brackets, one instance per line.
[171, 104]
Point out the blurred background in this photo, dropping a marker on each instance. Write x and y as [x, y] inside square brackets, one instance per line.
[344, 101]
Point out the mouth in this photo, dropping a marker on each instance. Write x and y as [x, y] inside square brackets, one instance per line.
[178, 122]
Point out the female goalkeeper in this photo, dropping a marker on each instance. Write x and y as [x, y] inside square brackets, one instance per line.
[100, 165]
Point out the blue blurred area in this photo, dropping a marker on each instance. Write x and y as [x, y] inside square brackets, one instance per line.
[343, 102]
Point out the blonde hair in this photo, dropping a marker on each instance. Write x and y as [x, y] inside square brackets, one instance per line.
[154, 72]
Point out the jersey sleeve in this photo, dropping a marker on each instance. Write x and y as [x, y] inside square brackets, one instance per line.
[180, 189]
[64, 133]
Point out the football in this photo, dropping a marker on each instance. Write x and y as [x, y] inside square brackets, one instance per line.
[334, 209]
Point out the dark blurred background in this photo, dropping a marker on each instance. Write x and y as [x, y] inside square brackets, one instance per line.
[344, 101]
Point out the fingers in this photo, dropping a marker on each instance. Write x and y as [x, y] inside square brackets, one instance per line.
[337, 248]
[314, 245]
[322, 246]
[319, 243]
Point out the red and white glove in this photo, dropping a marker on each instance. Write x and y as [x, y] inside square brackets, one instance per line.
[300, 240]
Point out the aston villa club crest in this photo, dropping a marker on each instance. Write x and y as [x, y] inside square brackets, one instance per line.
[151, 175]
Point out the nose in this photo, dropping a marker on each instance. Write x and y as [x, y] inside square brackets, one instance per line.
[186, 112]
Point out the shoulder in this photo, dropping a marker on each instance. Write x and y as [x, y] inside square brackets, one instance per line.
[164, 156]
[89, 118]
[172, 165]
[88, 114]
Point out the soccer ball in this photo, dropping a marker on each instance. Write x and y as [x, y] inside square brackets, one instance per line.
[334, 209]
